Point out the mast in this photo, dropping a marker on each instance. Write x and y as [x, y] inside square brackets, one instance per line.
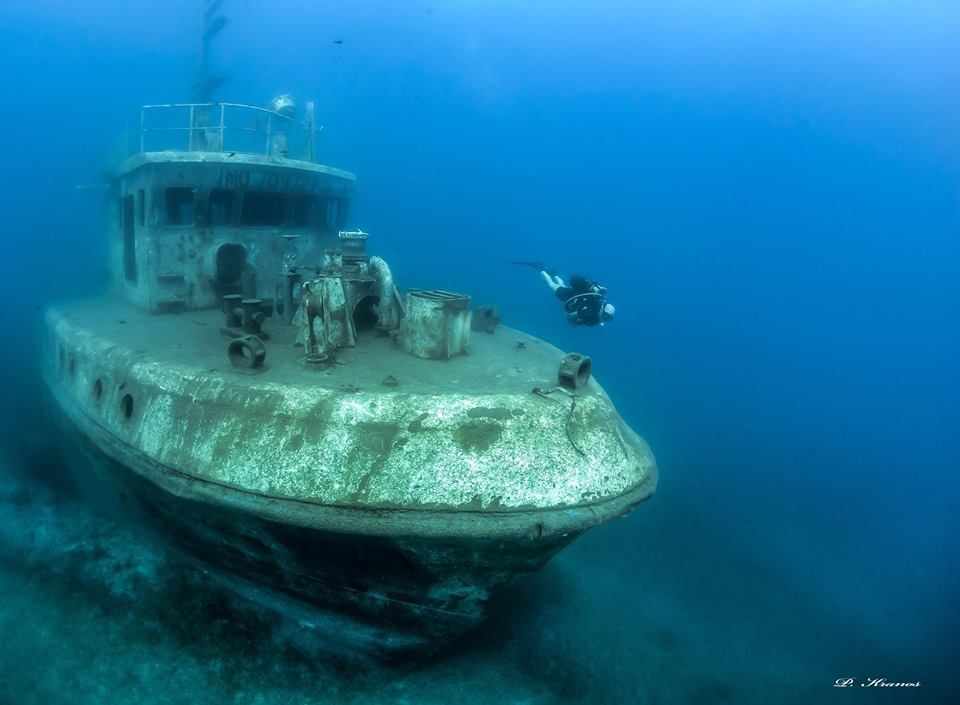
[213, 23]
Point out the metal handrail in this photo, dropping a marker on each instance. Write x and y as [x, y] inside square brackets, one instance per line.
[221, 127]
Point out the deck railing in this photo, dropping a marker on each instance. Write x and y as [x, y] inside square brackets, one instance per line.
[225, 127]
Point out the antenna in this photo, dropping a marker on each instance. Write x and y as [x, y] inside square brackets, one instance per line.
[214, 22]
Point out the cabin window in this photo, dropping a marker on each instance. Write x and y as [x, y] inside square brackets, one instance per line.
[221, 207]
[141, 208]
[303, 211]
[180, 205]
[262, 208]
[129, 241]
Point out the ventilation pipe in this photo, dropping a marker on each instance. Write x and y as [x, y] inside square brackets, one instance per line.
[390, 308]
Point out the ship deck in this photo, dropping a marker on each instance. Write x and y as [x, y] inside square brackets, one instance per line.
[506, 361]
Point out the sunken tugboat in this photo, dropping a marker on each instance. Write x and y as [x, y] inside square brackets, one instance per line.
[259, 387]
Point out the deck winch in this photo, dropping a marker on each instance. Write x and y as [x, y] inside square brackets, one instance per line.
[352, 292]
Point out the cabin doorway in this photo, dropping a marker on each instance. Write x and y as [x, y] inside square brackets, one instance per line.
[232, 270]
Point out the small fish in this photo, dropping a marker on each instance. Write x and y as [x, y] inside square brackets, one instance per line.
[338, 41]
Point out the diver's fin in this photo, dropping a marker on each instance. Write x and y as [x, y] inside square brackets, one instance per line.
[539, 266]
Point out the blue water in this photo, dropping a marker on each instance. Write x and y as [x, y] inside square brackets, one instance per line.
[771, 192]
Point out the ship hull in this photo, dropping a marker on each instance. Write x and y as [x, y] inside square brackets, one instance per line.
[399, 594]
[404, 507]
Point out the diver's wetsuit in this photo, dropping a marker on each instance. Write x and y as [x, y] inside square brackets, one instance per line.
[582, 300]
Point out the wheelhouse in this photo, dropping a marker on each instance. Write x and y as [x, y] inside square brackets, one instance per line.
[200, 219]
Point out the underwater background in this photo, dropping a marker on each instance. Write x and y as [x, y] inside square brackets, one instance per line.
[771, 192]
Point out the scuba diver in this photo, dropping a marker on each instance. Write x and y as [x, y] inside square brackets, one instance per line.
[584, 301]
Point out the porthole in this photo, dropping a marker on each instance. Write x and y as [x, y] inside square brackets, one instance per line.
[126, 406]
